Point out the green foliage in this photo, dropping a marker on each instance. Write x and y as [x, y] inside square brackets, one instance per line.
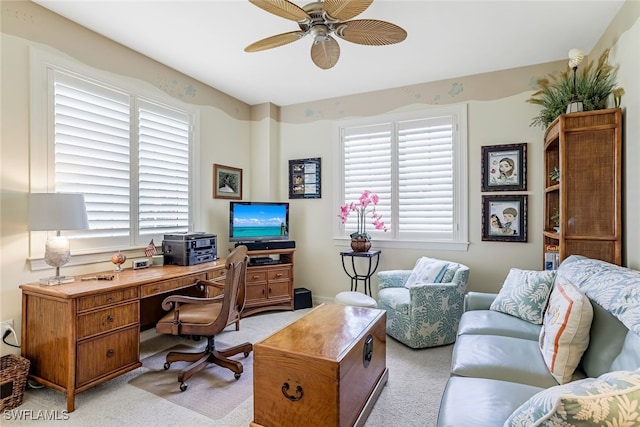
[594, 84]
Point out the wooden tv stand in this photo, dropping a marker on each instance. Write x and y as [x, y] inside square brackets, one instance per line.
[269, 286]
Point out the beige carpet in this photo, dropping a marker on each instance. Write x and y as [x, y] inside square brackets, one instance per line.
[213, 392]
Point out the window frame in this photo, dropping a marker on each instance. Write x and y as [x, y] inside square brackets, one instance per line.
[460, 242]
[42, 149]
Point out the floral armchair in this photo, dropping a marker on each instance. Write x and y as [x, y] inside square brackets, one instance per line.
[423, 309]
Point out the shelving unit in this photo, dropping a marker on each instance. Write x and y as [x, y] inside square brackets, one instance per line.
[586, 147]
[270, 286]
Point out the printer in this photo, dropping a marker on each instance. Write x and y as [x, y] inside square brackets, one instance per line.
[189, 248]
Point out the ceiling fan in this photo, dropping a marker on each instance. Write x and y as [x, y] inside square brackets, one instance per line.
[322, 19]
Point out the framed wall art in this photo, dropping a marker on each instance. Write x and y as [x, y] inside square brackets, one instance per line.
[504, 218]
[304, 179]
[227, 182]
[504, 167]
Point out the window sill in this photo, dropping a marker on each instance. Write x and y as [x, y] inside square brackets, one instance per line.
[409, 244]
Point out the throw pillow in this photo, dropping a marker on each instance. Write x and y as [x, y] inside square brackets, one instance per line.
[565, 330]
[612, 399]
[447, 277]
[427, 270]
[524, 294]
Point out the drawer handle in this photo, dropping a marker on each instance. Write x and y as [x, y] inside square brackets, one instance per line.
[110, 352]
[110, 318]
[109, 299]
[298, 395]
[279, 275]
[256, 277]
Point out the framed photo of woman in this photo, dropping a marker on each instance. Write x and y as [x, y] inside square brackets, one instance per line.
[504, 167]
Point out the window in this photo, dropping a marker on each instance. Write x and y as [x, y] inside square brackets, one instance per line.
[127, 151]
[416, 163]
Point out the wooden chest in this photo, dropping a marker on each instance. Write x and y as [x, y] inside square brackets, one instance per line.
[325, 369]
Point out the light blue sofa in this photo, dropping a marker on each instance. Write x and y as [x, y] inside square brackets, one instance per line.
[423, 314]
[497, 364]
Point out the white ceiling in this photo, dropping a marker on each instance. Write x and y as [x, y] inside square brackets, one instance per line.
[205, 39]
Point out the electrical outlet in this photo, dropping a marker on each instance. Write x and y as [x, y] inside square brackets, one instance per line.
[4, 325]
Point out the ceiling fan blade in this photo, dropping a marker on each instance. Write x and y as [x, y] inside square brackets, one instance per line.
[275, 41]
[371, 32]
[343, 10]
[284, 9]
[325, 54]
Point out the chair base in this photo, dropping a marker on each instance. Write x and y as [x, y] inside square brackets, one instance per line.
[200, 361]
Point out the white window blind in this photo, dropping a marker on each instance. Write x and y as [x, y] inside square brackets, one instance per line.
[413, 162]
[163, 169]
[130, 157]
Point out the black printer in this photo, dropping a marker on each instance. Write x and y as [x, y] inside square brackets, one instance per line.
[189, 248]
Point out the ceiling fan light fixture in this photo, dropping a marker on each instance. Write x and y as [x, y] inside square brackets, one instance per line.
[321, 19]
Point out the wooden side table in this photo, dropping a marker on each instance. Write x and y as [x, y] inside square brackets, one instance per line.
[353, 273]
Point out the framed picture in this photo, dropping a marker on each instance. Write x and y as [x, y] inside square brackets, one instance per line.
[304, 178]
[504, 218]
[227, 182]
[504, 167]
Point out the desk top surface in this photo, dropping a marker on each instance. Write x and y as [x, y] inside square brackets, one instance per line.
[124, 279]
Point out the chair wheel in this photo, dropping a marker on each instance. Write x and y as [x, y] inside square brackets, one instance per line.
[167, 365]
[237, 376]
[183, 386]
[246, 354]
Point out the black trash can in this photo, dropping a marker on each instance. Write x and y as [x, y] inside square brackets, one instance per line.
[301, 298]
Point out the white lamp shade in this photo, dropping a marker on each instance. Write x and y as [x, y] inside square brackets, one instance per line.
[57, 211]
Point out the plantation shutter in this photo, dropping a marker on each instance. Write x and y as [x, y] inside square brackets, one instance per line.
[163, 171]
[425, 177]
[410, 165]
[132, 168]
[367, 166]
[92, 151]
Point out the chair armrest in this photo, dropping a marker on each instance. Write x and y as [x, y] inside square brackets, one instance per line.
[478, 300]
[392, 278]
[172, 300]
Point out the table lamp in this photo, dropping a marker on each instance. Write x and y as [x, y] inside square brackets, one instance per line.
[56, 212]
[575, 58]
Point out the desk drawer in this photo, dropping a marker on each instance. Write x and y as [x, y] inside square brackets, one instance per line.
[107, 298]
[103, 355]
[169, 285]
[216, 275]
[107, 319]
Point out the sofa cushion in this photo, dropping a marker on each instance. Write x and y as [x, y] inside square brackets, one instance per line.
[487, 322]
[500, 358]
[565, 330]
[524, 294]
[427, 270]
[481, 402]
[609, 400]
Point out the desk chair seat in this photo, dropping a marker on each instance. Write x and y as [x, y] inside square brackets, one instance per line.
[208, 317]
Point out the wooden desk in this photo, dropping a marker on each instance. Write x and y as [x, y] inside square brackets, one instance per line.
[80, 334]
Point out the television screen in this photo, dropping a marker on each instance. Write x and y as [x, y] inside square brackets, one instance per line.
[258, 221]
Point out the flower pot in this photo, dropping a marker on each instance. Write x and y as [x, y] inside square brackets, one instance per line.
[360, 245]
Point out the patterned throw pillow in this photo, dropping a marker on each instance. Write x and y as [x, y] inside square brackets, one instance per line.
[565, 330]
[609, 400]
[447, 277]
[524, 294]
[427, 270]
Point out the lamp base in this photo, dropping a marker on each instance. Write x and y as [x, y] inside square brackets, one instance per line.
[575, 107]
[56, 280]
